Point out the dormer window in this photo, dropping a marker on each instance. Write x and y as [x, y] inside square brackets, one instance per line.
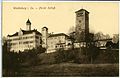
[20, 32]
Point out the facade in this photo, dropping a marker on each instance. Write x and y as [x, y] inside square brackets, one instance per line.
[29, 39]
[52, 42]
[57, 41]
[81, 44]
[102, 42]
[24, 39]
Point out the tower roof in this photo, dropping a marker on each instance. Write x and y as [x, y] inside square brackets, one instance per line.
[28, 21]
[82, 10]
[45, 27]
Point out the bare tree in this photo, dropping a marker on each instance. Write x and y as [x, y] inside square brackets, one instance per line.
[71, 34]
[72, 37]
[71, 29]
[98, 36]
[107, 36]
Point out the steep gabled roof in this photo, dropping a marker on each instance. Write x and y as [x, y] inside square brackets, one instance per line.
[31, 31]
[15, 34]
[26, 32]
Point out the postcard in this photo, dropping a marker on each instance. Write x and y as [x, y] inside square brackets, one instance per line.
[60, 39]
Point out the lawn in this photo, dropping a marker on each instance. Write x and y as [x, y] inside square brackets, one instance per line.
[71, 69]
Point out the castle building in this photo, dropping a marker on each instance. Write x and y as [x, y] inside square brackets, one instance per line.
[57, 41]
[28, 39]
[53, 42]
[24, 39]
[82, 26]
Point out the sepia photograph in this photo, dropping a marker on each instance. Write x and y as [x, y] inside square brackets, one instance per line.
[60, 39]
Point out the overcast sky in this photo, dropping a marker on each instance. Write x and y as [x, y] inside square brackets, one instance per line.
[103, 16]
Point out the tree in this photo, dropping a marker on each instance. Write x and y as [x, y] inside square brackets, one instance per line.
[4, 54]
[40, 49]
[71, 29]
[60, 57]
[99, 36]
[107, 36]
[117, 44]
[72, 37]
[109, 44]
[10, 61]
[72, 34]
[80, 36]
[92, 52]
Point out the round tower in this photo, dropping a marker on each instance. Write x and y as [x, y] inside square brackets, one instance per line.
[28, 25]
[44, 37]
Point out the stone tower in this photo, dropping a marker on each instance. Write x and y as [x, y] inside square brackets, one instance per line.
[28, 25]
[44, 37]
[82, 25]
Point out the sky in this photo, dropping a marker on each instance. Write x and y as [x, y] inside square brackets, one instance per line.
[59, 16]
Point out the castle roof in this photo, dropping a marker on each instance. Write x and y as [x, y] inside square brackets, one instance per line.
[82, 10]
[58, 34]
[28, 21]
[26, 32]
[45, 27]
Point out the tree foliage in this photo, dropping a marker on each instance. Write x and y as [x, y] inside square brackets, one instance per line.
[13, 61]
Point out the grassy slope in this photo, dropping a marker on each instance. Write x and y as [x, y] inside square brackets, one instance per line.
[70, 69]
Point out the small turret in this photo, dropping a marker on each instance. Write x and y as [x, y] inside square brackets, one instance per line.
[28, 25]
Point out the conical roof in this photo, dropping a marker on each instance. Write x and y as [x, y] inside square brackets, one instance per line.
[28, 21]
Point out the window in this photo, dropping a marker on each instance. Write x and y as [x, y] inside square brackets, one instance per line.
[10, 40]
[80, 14]
[20, 42]
[31, 41]
[36, 41]
[36, 37]
[79, 21]
[55, 46]
[69, 44]
[61, 46]
[24, 38]
[26, 42]
[20, 38]
[31, 36]
[13, 43]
